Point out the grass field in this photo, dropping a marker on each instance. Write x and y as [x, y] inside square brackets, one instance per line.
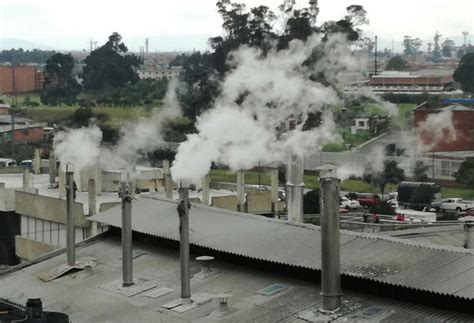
[403, 120]
[350, 185]
[116, 117]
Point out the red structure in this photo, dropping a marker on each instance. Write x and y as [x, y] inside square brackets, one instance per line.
[463, 121]
[20, 79]
[409, 82]
[22, 133]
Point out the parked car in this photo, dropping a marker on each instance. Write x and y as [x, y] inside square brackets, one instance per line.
[468, 212]
[7, 162]
[368, 200]
[349, 204]
[26, 164]
[452, 204]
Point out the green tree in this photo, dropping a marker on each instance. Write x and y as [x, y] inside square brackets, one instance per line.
[396, 63]
[311, 202]
[20, 56]
[110, 66]
[419, 172]
[60, 85]
[411, 45]
[447, 45]
[391, 174]
[464, 73]
[255, 28]
[81, 117]
[465, 174]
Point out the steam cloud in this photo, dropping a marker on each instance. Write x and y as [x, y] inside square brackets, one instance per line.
[81, 147]
[272, 89]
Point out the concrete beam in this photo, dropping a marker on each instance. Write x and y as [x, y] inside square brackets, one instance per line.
[168, 179]
[52, 168]
[241, 191]
[37, 162]
[205, 190]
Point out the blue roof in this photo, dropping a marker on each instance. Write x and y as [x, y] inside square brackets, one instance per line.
[459, 100]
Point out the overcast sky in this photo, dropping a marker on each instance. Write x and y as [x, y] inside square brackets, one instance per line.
[66, 24]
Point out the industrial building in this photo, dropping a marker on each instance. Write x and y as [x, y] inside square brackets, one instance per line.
[395, 81]
[462, 119]
[20, 79]
[256, 269]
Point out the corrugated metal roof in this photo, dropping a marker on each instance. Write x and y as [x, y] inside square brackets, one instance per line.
[81, 296]
[379, 258]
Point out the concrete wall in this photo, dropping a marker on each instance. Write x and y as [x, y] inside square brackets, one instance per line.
[48, 208]
[29, 249]
[259, 203]
[107, 205]
[228, 202]
[7, 199]
[110, 181]
[90, 173]
[11, 170]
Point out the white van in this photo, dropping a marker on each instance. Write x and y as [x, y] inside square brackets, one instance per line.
[7, 162]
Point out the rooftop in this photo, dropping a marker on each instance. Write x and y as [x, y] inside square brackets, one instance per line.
[385, 260]
[90, 295]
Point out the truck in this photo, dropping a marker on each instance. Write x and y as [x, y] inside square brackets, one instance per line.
[417, 195]
[455, 204]
[368, 200]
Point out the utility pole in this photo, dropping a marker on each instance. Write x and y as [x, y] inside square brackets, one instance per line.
[12, 112]
[375, 62]
[465, 33]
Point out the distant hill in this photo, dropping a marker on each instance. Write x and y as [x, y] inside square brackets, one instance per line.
[9, 43]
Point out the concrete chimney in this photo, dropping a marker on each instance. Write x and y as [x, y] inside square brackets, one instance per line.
[52, 167]
[26, 179]
[330, 248]
[205, 190]
[274, 190]
[127, 260]
[183, 212]
[92, 197]
[295, 189]
[469, 229]
[70, 228]
[241, 191]
[168, 179]
[62, 183]
[37, 162]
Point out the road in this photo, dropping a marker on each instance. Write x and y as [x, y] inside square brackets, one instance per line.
[393, 137]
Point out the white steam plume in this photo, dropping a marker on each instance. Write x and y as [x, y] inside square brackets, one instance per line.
[146, 133]
[79, 147]
[435, 129]
[272, 89]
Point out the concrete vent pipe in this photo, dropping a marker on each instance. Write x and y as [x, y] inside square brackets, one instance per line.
[183, 212]
[295, 188]
[330, 253]
[127, 261]
[70, 229]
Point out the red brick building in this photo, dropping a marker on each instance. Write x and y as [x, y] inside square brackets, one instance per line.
[20, 79]
[463, 122]
[393, 81]
[23, 133]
